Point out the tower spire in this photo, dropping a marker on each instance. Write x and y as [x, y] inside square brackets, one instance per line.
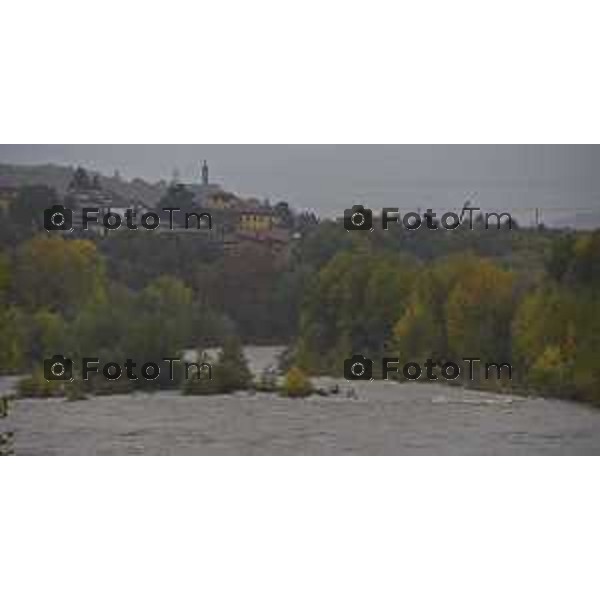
[204, 173]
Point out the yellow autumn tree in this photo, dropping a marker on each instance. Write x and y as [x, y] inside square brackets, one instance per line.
[57, 273]
[479, 312]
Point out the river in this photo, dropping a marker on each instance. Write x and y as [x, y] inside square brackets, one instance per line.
[382, 419]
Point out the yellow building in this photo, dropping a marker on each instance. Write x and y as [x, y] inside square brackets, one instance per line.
[221, 201]
[257, 219]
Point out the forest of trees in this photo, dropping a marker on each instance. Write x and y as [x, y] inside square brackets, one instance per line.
[529, 297]
[131, 295]
[535, 305]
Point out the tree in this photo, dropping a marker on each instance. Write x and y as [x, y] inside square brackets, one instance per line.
[418, 335]
[47, 336]
[27, 211]
[13, 332]
[421, 332]
[231, 372]
[552, 372]
[6, 437]
[561, 256]
[585, 268]
[479, 313]
[556, 334]
[5, 278]
[162, 325]
[244, 287]
[201, 382]
[352, 307]
[583, 345]
[297, 384]
[101, 325]
[543, 319]
[181, 197]
[58, 274]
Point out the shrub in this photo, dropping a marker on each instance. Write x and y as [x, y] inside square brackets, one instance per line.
[199, 383]
[37, 386]
[75, 391]
[230, 374]
[552, 373]
[297, 384]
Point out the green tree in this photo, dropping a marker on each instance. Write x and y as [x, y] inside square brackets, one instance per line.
[421, 332]
[543, 319]
[58, 274]
[552, 372]
[352, 307]
[13, 332]
[231, 372]
[47, 336]
[479, 313]
[585, 268]
[561, 256]
[178, 196]
[5, 278]
[27, 211]
[165, 312]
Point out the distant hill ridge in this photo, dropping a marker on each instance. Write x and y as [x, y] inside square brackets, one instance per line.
[58, 177]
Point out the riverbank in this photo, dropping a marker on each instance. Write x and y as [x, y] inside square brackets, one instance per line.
[384, 418]
[377, 418]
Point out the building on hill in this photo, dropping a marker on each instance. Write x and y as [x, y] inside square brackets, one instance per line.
[85, 192]
[236, 221]
[207, 193]
[242, 215]
[221, 200]
[257, 218]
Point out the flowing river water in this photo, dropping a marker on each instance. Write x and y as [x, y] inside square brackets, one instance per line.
[379, 418]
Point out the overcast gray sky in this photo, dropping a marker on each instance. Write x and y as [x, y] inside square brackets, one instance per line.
[328, 178]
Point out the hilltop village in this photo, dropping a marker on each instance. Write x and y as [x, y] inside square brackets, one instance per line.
[236, 220]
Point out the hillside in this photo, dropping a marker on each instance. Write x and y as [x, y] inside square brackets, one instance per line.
[59, 177]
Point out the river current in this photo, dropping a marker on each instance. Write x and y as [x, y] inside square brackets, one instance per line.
[374, 418]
